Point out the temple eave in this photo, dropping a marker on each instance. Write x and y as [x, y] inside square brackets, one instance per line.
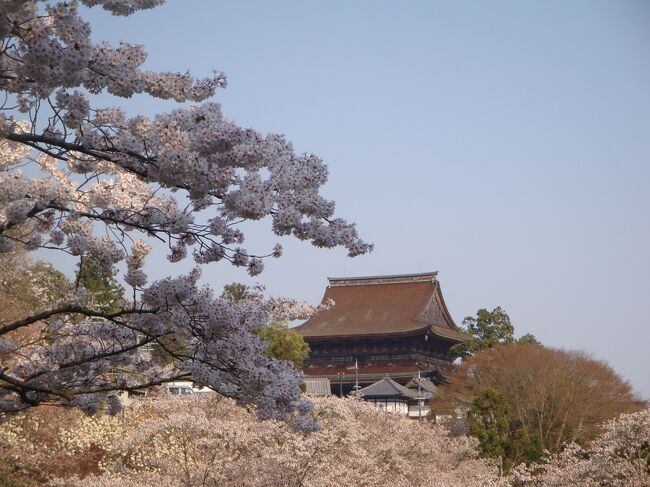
[438, 331]
[368, 375]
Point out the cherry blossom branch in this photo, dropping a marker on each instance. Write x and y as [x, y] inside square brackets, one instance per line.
[70, 309]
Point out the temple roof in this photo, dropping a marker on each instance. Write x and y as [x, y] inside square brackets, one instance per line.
[424, 383]
[386, 387]
[382, 306]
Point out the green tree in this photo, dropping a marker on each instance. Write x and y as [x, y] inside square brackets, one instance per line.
[487, 330]
[528, 339]
[283, 343]
[236, 291]
[54, 285]
[103, 289]
[523, 447]
[489, 420]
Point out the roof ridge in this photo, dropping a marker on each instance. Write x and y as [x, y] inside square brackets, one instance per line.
[387, 279]
[404, 389]
[375, 388]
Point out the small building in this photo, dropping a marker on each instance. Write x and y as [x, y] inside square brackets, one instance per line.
[388, 395]
[317, 386]
[380, 326]
[424, 384]
[185, 388]
[426, 389]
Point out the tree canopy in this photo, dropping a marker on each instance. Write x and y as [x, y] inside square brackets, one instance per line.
[283, 343]
[499, 437]
[489, 421]
[488, 329]
[556, 395]
[104, 291]
[27, 286]
[89, 181]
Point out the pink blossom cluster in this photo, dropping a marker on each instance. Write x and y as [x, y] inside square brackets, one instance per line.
[619, 457]
[236, 173]
[288, 309]
[279, 308]
[135, 276]
[46, 52]
[96, 180]
[207, 440]
[210, 339]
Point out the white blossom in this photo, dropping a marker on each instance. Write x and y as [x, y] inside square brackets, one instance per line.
[207, 440]
[98, 179]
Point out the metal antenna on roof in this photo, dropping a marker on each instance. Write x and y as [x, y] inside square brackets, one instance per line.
[420, 398]
[356, 376]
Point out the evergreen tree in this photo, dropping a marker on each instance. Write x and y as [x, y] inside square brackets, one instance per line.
[285, 343]
[487, 330]
[499, 437]
[236, 291]
[103, 289]
[488, 420]
[528, 339]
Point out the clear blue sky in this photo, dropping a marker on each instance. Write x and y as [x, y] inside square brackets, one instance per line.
[505, 144]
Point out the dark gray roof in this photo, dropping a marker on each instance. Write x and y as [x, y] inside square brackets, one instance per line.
[387, 387]
[425, 384]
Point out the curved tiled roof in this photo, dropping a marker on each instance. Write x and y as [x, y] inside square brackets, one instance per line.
[381, 306]
[386, 387]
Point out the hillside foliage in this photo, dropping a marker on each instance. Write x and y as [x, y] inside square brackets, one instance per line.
[207, 440]
[553, 396]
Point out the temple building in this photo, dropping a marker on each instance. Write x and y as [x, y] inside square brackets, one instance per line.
[380, 327]
[410, 400]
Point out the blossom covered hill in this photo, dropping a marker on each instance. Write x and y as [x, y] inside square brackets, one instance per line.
[207, 440]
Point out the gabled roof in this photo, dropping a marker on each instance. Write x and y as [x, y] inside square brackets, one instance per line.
[424, 383]
[386, 387]
[382, 306]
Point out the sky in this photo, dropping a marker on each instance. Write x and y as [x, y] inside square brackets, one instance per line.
[504, 144]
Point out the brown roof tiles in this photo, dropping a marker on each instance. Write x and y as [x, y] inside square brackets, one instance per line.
[382, 305]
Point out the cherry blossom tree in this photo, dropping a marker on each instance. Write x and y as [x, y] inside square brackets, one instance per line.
[619, 457]
[88, 182]
[206, 440]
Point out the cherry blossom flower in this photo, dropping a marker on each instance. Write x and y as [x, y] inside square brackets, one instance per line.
[98, 180]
